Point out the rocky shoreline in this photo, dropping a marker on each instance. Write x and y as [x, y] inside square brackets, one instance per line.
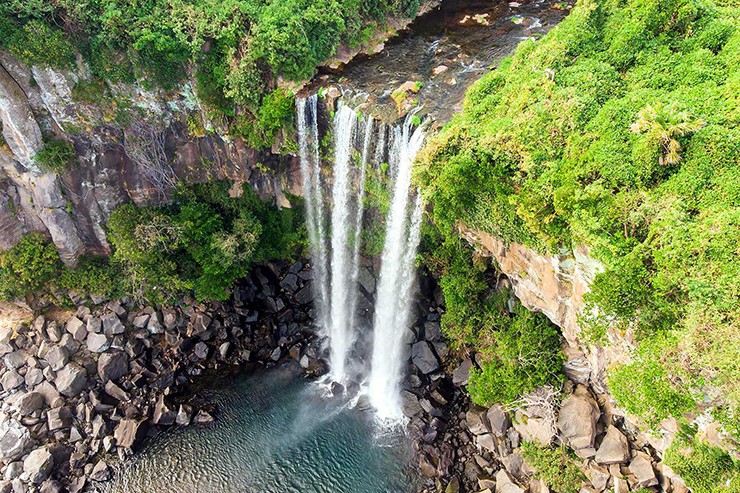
[83, 388]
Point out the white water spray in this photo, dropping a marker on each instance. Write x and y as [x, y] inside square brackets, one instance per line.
[394, 303]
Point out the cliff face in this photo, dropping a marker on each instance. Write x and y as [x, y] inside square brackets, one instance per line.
[555, 286]
[138, 160]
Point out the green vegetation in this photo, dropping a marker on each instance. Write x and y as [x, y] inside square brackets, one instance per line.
[619, 130]
[517, 352]
[705, 468]
[239, 47]
[57, 155]
[204, 242]
[557, 467]
[27, 266]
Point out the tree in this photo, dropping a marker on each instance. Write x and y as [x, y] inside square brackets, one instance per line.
[665, 123]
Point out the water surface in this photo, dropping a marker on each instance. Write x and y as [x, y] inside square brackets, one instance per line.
[274, 434]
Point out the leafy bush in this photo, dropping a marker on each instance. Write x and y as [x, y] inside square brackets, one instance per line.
[38, 43]
[557, 467]
[705, 468]
[617, 130]
[205, 242]
[27, 266]
[57, 155]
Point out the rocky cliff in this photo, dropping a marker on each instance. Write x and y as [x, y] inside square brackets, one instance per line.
[137, 154]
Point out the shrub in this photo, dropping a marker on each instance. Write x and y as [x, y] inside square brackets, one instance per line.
[27, 266]
[705, 468]
[557, 467]
[58, 155]
[38, 43]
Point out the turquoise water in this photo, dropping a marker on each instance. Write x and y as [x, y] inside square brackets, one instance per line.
[274, 434]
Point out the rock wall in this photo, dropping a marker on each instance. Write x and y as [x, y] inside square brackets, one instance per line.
[73, 207]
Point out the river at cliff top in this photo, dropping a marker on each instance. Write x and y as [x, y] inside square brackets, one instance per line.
[274, 433]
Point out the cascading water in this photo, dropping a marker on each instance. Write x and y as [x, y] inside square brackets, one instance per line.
[337, 299]
[394, 303]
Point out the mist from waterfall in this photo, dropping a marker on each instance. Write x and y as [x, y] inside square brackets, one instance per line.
[360, 143]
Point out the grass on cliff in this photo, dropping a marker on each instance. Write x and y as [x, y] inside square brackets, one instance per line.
[557, 467]
[620, 130]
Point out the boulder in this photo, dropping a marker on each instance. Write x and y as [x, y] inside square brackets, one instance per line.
[498, 420]
[116, 392]
[184, 415]
[163, 415]
[15, 359]
[462, 373]
[38, 465]
[201, 322]
[201, 350]
[71, 380]
[577, 419]
[51, 486]
[614, 449]
[477, 420]
[98, 343]
[112, 366]
[129, 432]
[58, 418]
[410, 404]
[34, 376]
[533, 428]
[154, 327]
[642, 468]
[203, 417]
[57, 357]
[101, 471]
[94, 326]
[10, 380]
[14, 470]
[28, 402]
[15, 439]
[424, 358]
[141, 321]
[505, 483]
[599, 476]
[77, 328]
[112, 325]
[50, 393]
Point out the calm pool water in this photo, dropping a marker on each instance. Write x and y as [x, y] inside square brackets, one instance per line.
[274, 434]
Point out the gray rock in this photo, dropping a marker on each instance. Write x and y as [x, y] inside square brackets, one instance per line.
[57, 357]
[577, 419]
[477, 420]
[487, 442]
[15, 439]
[201, 322]
[112, 325]
[276, 353]
[94, 326]
[154, 327]
[498, 420]
[305, 295]
[141, 321]
[163, 415]
[432, 331]
[367, 280]
[58, 418]
[38, 465]
[424, 358]
[54, 331]
[614, 449]
[203, 417]
[14, 470]
[77, 328]
[98, 343]
[50, 393]
[15, 359]
[129, 432]
[71, 380]
[642, 469]
[70, 343]
[201, 350]
[116, 392]
[505, 483]
[101, 471]
[51, 486]
[599, 476]
[462, 373]
[10, 380]
[28, 402]
[410, 404]
[112, 366]
[223, 349]
[533, 428]
[34, 376]
[184, 415]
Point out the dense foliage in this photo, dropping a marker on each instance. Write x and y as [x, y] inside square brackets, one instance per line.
[27, 266]
[557, 467]
[57, 155]
[238, 47]
[705, 468]
[619, 130]
[204, 242]
[517, 350]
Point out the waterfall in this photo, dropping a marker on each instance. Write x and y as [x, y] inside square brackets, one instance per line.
[394, 303]
[308, 151]
[337, 257]
[341, 319]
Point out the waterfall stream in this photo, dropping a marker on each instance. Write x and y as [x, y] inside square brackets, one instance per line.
[336, 250]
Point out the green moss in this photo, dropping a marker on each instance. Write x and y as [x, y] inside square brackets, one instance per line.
[38, 43]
